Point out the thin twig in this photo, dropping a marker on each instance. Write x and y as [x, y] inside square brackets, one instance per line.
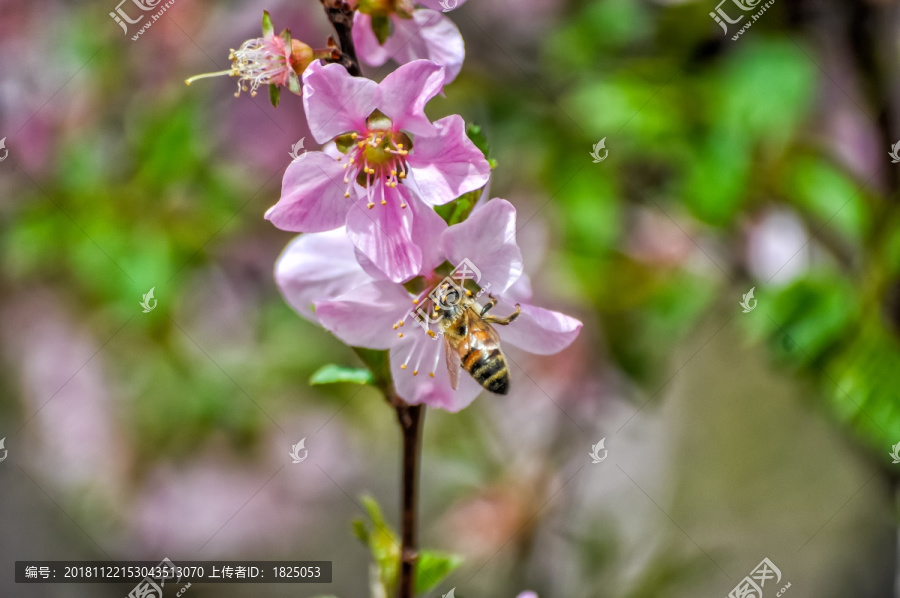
[340, 13]
[411, 418]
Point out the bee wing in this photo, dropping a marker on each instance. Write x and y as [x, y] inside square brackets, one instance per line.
[453, 363]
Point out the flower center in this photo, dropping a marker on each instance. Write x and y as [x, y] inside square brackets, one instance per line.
[376, 158]
[258, 62]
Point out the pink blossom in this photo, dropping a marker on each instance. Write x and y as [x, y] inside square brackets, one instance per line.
[365, 310]
[423, 33]
[268, 60]
[389, 164]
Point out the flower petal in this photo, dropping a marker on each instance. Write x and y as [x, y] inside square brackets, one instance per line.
[365, 316]
[316, 267]
[488, 240]
[428, 227]
[537, 330]
[425, 355]
[402, 95]
[336, 102]
[312, 196]
[447, 164]
[384, 233]
[367, 46]
[432, 36]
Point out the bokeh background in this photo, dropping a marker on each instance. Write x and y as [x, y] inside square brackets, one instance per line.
[761, 162]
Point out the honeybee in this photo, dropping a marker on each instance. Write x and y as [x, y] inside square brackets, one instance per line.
[471, 342]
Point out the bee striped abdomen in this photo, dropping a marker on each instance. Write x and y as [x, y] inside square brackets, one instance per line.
[488, 368]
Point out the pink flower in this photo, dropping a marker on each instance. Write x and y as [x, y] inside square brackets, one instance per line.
[383, 33]
[268, 60]
[389, 166]
[366, 310]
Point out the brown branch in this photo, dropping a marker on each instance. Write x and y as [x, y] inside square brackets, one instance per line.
[411, 418]
[340, 13]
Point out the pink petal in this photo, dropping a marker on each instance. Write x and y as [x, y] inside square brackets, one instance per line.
[316, 267]
[365, 316]
[520, 291]
[367, 46]
[537, 330]
[432, 36]
[402, 95]
[384, 233]
[427, 355]
[488, 240]
[428, 227]
[312, 196]
[336, 102]
[447, 164]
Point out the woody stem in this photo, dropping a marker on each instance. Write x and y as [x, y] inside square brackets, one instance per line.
[340, 14]
[411, 418]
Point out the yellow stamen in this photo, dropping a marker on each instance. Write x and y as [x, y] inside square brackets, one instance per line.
[403, 366]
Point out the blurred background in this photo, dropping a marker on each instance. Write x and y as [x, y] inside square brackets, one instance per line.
[759, 162]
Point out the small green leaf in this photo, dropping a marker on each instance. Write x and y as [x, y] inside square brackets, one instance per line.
[274, 94]
[331, 374]
[384, 544]
[267, 27]
[382, 27]
[286, 37]
[477, 136]
[293, 82]
[433, 567]
[360, 531]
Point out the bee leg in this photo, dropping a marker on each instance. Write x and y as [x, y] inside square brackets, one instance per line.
[506, 320]
[490, 304]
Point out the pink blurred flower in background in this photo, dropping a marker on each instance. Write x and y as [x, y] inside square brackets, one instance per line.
[400, 31]
[365, 310]
[377, 163]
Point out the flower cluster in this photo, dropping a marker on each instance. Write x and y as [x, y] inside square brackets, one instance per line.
[376, 264]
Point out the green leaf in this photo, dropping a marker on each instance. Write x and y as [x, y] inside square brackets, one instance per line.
[433, 567]
[382, 27]
[477, 136]
[384, 545]
[286, 37]
[267, 27]
[274, 94]
[331, 374]
[293, 82]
